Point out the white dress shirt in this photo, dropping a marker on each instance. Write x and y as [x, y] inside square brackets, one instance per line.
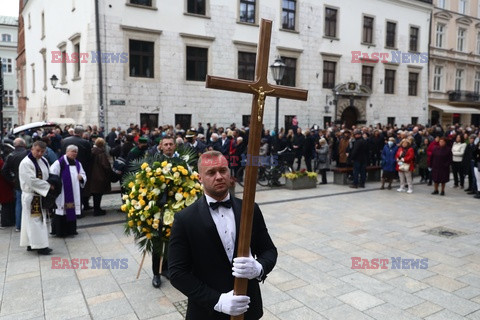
[224, 219]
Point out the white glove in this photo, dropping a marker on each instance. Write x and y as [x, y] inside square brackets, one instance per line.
[247, 268]
[232, 305]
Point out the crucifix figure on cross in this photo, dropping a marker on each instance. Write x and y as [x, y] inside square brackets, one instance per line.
[261, 89]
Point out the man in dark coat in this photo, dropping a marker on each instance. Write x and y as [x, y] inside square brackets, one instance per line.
[202, 249]
[10, 172]
[84, 157]
[309, 149]
[359, 157]
[298, 145]
[225, 148]
[215, 143]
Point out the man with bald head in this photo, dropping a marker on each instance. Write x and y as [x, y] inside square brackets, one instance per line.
[10, 172]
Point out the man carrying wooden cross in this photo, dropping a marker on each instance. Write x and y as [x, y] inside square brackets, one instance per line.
[203, 246]
[206, 236]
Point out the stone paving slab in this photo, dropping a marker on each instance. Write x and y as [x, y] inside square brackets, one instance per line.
[317, 232]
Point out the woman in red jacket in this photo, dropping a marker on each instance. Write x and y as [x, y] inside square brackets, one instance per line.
[405, 165]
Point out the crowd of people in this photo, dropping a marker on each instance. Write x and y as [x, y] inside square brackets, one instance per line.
[432, 152]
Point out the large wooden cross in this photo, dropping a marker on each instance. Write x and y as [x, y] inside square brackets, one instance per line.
[260, 88]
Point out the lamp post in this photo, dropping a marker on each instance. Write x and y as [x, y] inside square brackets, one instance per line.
[278, 70]
[54, 81]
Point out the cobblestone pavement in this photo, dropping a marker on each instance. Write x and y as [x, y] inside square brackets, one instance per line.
[317, 232]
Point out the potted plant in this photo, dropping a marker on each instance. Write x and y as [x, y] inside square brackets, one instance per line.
[302, 179]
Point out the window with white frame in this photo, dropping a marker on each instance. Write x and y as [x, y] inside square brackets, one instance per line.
[44, 58]
[7, 65]
[440, 35]
[461, 39]
[6, 37]
[63, 78]
[8, 98]
[459, 79]
[437, 78]
[476, 86]
[462, 6]
[441, 4]
[247, 11]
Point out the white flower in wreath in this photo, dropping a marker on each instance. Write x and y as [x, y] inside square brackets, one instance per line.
[156, 191]
[138, 206]
[168, 217]
[178, 196]
[125, 197]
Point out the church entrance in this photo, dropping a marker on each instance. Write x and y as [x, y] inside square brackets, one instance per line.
[349, 117]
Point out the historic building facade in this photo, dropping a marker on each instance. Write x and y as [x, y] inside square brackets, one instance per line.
[363, 62]
[454, 89]
[8, 53]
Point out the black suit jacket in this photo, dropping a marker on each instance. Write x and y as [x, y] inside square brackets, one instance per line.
[199, 266]
[84, 151]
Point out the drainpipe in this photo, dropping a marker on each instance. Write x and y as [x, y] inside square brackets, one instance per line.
[101, 111]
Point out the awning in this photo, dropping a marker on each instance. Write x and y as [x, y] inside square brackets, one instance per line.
[452, 109]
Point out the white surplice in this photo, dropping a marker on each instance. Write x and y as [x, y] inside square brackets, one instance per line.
[34, 230]
[76, 185]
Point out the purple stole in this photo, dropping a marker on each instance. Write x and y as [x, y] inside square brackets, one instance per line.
[36, 205]
[69, 200]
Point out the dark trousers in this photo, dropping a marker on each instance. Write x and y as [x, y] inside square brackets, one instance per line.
[85, 200]
[424, 174]
[458, 174]
[97, 200]
[323, 172]
[473, 182]
[308, 162]
[299, 161]
[8, 214]
[359, 170]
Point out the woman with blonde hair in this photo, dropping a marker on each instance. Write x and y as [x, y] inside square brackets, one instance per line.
[405, 165]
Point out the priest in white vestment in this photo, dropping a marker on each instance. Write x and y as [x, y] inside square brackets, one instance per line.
[33, 173]
[69, 202]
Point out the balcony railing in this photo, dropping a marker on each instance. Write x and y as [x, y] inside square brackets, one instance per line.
[463, 96]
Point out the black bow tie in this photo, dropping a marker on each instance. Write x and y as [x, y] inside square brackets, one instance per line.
[226, 204]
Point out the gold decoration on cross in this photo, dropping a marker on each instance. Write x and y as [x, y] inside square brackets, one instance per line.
[261, 99]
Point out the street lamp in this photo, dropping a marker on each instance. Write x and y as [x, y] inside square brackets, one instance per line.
[278, 70]
[54, 81]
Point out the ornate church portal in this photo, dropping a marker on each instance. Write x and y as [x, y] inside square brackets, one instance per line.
[351, 103]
